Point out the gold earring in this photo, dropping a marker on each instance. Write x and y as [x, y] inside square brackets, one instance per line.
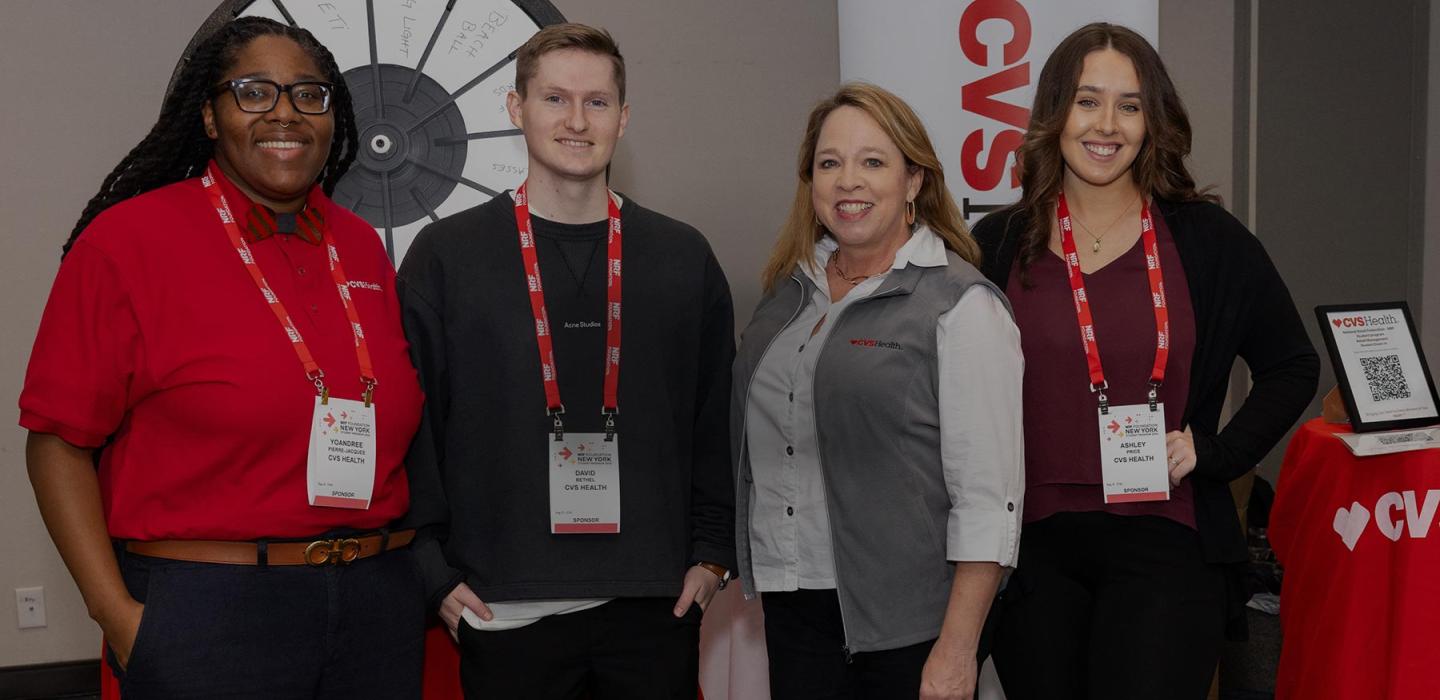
[910, 213]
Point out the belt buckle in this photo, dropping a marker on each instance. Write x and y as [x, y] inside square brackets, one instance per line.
[336, 551]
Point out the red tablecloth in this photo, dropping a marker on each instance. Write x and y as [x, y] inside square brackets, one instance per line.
[1360, 603]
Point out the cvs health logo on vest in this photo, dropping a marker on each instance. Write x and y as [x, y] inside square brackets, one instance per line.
[1397, 514]
[873, 343]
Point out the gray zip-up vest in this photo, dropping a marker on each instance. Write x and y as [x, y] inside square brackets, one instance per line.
[877, 414]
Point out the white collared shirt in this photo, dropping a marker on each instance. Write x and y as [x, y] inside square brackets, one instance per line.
[982, 449]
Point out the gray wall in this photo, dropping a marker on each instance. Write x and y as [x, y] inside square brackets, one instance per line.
[1198, 46]
[718, 92]
[1430, 313]
[1340, 143]
[91, 80]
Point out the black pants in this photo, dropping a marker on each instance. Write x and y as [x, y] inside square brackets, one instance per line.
[1112, 607]
[355, 631]
[806, 642]
[626, 649]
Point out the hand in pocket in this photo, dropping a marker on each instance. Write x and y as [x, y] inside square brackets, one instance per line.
[120, 629]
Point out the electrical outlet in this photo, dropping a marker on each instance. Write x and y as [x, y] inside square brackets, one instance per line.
[30, 606]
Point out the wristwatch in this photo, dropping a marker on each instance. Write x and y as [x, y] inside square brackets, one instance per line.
[724, 574]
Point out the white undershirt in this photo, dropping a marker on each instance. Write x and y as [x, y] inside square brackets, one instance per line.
[518, 613]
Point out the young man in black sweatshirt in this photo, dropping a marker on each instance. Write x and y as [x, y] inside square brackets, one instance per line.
[573, 490]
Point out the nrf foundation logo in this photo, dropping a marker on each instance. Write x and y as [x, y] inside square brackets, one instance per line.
[1130, 428]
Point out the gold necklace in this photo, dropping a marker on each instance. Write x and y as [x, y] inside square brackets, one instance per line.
[1095, 248]
[852, 281]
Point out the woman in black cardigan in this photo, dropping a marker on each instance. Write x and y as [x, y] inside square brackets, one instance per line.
[1131, 289]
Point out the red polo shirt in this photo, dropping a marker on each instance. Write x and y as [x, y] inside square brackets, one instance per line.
[156, 337]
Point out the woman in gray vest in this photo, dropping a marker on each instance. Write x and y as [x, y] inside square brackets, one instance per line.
[876, 420]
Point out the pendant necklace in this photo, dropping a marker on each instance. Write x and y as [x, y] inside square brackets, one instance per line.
[1095, 247]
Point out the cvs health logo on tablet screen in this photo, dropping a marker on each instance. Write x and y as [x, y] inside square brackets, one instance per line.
[1365, 321]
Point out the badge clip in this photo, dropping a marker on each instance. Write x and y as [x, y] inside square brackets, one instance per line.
[369, 390]
[609, 414]
[1153, 396]
[1104, 400]
[318, 377]
[559, 428]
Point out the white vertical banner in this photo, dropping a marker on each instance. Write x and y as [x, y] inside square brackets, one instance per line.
[969, 69]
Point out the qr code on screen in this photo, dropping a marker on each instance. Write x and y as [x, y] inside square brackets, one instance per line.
[1386, 379]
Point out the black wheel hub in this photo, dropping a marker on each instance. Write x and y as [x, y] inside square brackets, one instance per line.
[410, 158]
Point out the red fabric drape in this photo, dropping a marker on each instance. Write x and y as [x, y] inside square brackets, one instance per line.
[442, 665]
[1359, 605]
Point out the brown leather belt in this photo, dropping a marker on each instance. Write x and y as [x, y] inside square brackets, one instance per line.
[341, 550]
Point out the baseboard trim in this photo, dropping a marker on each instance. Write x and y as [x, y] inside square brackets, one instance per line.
[57, 680]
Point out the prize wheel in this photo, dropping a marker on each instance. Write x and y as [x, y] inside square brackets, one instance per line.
[428, 79]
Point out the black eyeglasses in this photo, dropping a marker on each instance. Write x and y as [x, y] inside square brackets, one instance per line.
[257, 95]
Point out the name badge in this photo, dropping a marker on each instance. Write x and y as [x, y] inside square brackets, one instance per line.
[584, 484]
[341, 469]
[1133, 465]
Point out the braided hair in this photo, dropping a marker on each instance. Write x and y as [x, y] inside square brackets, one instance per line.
[177, 147]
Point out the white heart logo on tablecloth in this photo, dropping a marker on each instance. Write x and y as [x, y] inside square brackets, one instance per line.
[1350, 523]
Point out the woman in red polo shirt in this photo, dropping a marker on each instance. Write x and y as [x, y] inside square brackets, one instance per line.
[223, 341]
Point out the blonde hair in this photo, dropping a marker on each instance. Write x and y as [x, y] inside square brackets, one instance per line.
[933, 204]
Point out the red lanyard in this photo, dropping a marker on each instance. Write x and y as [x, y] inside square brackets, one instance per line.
[1082, 302]
[553, 406]
[342, 285]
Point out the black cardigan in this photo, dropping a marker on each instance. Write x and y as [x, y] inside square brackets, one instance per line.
[1242, 308]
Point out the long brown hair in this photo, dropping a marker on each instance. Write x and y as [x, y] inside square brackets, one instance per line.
[933, 204]
[1159, 169]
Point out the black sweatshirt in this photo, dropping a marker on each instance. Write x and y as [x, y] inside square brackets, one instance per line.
[479, 488]
[1242, 308]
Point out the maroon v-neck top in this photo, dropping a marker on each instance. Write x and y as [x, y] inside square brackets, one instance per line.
[1062, 441]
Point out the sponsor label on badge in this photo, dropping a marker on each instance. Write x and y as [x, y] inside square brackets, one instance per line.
[1133, 465]
[584, 484]
[341, 469]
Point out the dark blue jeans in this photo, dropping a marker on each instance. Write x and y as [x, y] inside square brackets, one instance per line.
[276, 632]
